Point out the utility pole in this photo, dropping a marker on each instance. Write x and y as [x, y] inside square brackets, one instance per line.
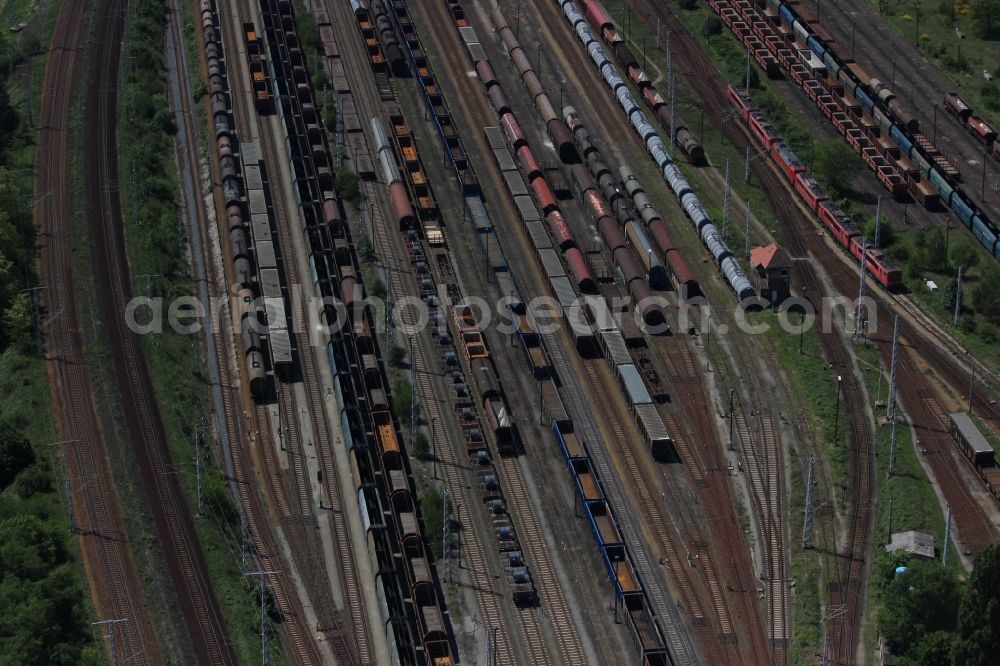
[413, 396]
[445, 546]
[749, 216]
[748, 70]
[888, 536]
[708, 343]
[807, 524]
[110, 624]
[732, 417]
[972, 382]
[198, 436]
[947, 540]
[878, 215]
[673, 114]
[892, 397]
[265, 655]
[958, 297]
[746, 168]
[893, 367]
[67, 487]
[859, 325]
[726, 200]
[836, 419]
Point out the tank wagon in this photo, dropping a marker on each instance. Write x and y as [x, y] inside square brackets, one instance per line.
[260, 312]
[597, 185]
[640, 618]
[634, 277]
[405, 582]
[600, 20]
[686, 197]
[680, 271]
[877, 263]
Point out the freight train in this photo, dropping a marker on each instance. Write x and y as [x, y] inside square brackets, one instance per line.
[974, 448]
[612, 212]
[985, 134]
[600, 20]
[883, 107]
[688, 200]
[877, 263]
[405, 580]
[260, 315]
[683, 276]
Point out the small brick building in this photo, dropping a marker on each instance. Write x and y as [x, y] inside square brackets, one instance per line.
[771, 273]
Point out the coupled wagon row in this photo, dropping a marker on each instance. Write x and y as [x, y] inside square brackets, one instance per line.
[465, 345]
[405, 579]
[624, 203]
[856, 126]
[261, 314]
[632, 380]
[637, 276]
[629, 592]
[883, 107]
[686, 197]
[847, 234]
[976, 126]
[665, 113]
[641, 620]
[348, 118]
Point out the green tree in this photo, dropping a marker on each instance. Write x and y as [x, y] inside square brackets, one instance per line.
[347, 185]
[402, 397]
[986, 296]
[963, 253]
[918, 602]
[886, 234]
[978, 639]
[835, 163]
[29, 548]
[396, 355]
[15, 453]
[934, 649]
[432, 509]
[930, 251]
[986, 16]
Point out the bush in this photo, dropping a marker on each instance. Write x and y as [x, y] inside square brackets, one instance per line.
[986, 332]
[347, 185]
[712, 26]
[396, 355]
[35, 480]
[402, 399]
[15, 453]
[431, 506]
[422, 447]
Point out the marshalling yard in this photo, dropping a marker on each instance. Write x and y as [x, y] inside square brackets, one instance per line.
[481, 370]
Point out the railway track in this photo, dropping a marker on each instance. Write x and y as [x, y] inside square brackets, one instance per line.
[885, 53]
[114, 581]
[185, 563]
[707, 82]
[483, 582]
[761, 457]
[352, 645]
[709, 594]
